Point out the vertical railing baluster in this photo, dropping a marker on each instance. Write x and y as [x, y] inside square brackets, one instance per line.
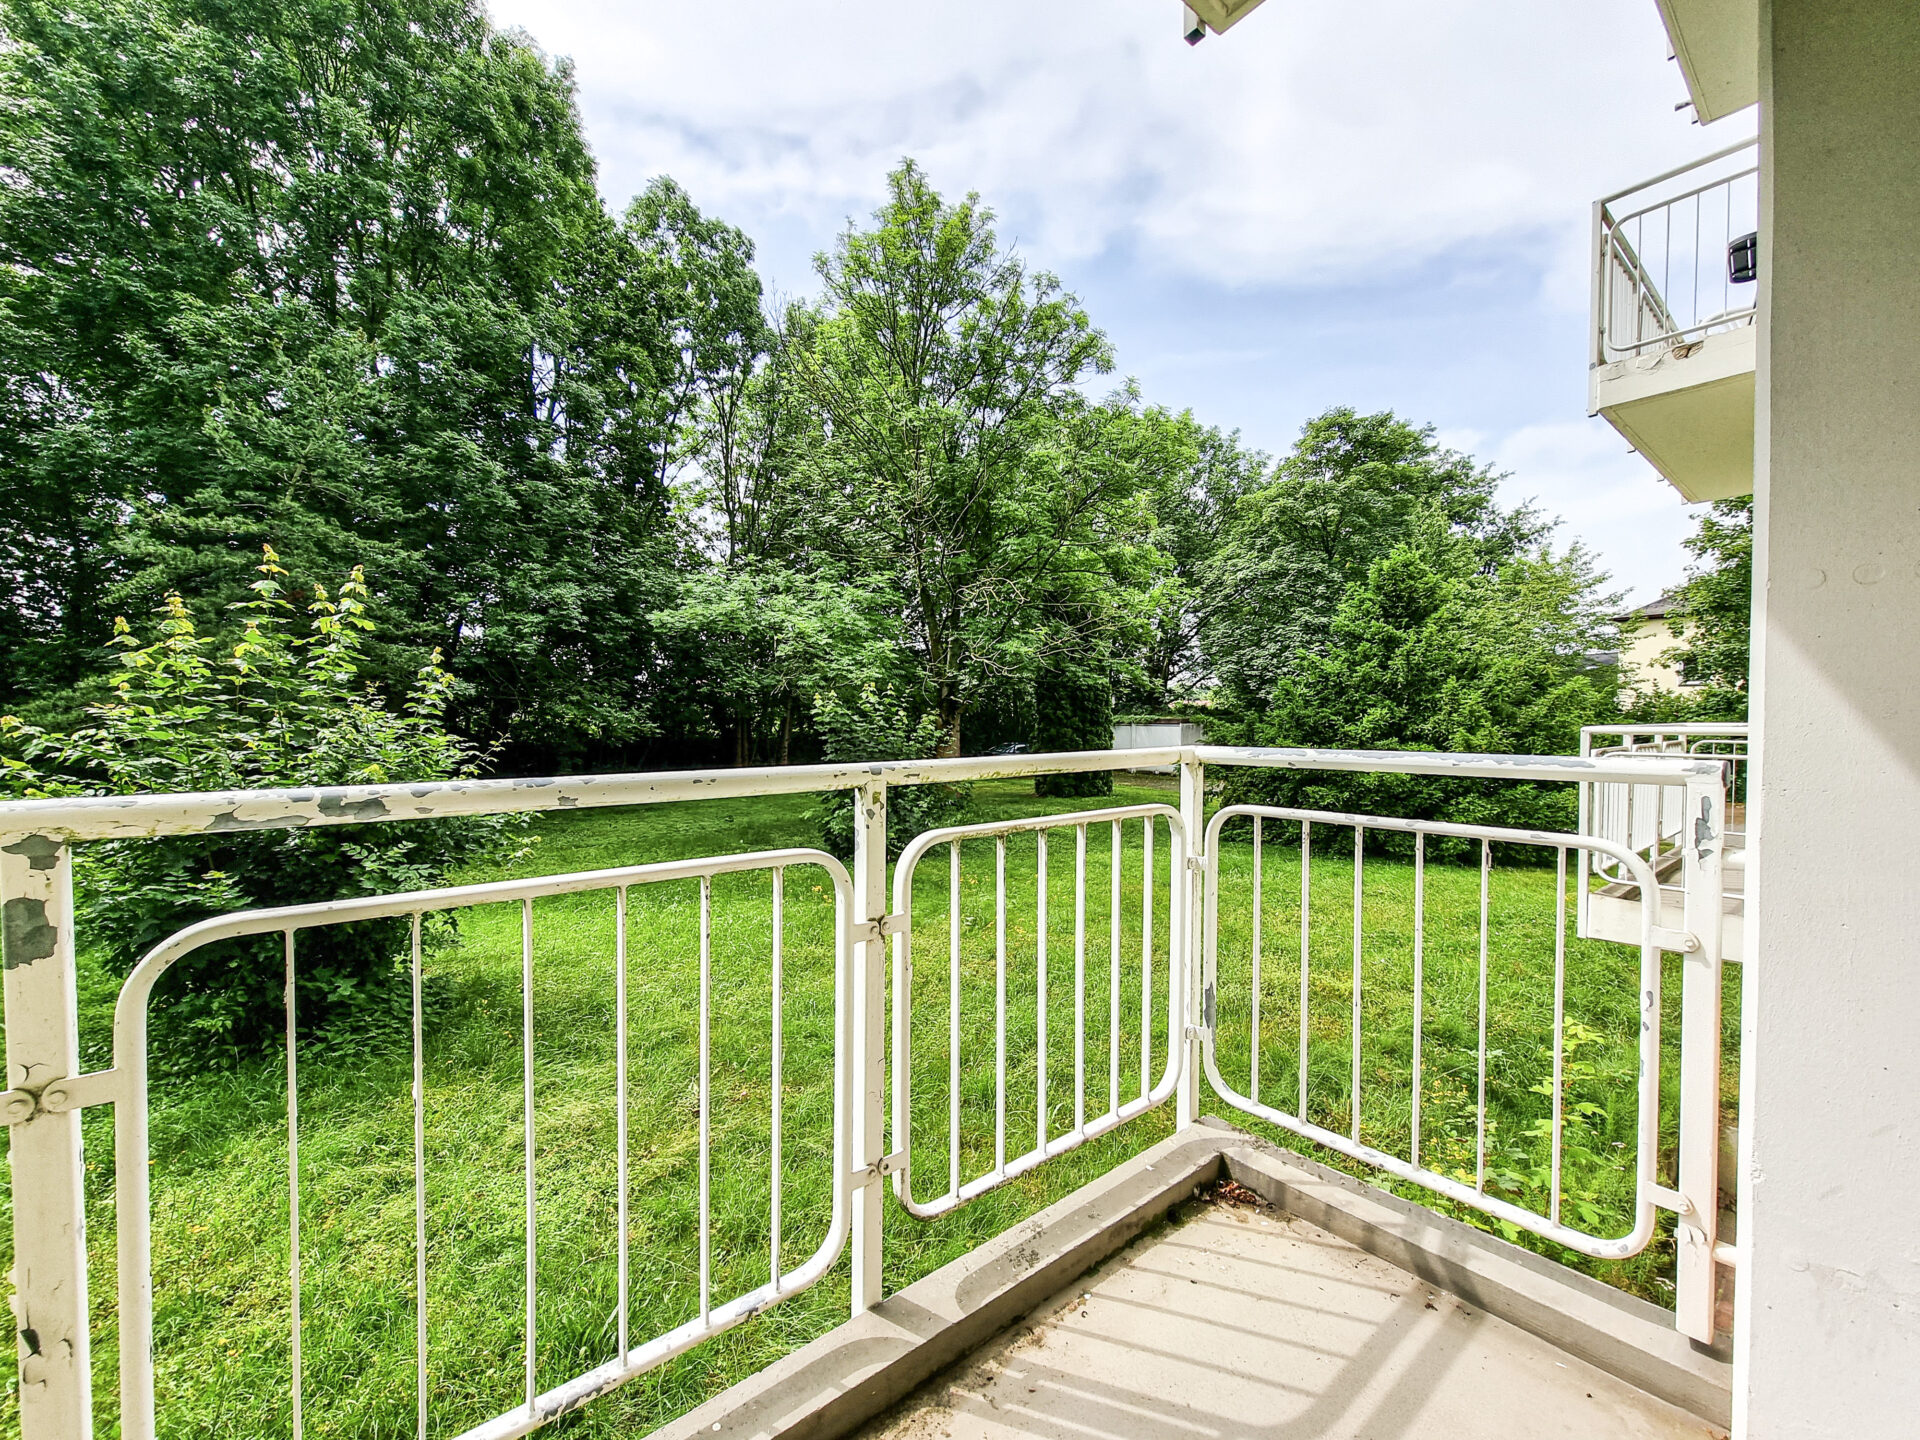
[1419, 977]
[419, 1194]
[1000, 1004]
[1359, 862]
[1079, 979]
[1559, 1015]
[1146, 957]
[1040, 1072]
[953, 1019]
[1306, 945]
[1113, 980]
[706, 1098]
[777, 1063]
[1253, 1062]
[623, 1205]
[1480, 1103]
[293, 1183]
[526, 1102]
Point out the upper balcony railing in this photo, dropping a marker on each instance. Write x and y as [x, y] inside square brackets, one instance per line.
[1668, 266]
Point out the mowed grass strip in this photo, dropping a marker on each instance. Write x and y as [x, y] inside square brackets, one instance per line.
[221, 1238]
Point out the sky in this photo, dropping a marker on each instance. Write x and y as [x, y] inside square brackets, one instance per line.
[1381, 203]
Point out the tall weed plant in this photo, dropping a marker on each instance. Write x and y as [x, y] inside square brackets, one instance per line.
[280, 703]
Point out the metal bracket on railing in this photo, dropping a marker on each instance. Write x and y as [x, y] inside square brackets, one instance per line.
[75, 1092]
[1684, 941]
[863, 931]
[875, 1173]
[1668, 1200]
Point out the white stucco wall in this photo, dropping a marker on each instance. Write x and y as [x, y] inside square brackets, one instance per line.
[1828, 1320]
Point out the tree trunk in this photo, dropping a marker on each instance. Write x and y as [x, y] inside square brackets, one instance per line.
[947, 710]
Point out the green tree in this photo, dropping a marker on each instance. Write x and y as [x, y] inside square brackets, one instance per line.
[1353, 488]
[1194, 499]
[1430, 653]
[1715, 609]
[957, 465]
[338, 275]
[759, 641]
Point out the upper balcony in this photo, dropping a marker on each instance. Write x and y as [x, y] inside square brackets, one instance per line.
[1674, 304]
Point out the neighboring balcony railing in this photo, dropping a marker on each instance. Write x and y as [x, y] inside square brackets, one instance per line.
[1148, 1028]
[1650, 820]
[1669, 254]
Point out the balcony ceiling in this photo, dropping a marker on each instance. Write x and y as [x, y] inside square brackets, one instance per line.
[1221, 15]
[1717, 43]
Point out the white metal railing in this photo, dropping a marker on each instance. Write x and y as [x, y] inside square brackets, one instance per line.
[1409, 1168]
[1661, 273]
[1153, 1091]
[126, 1085]
[48, 1089]
[1649, 819]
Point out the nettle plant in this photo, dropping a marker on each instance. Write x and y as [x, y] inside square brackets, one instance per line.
[280, 703]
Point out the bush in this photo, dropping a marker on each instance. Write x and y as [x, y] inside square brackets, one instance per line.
[1073, 710]
[1422, 659]
[269, 707]
[879, 725]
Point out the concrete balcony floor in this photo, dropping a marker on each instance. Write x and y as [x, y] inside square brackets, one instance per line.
[1215, 1285]
[1241, 1320]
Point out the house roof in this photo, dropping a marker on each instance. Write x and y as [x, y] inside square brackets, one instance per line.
[1652, 610]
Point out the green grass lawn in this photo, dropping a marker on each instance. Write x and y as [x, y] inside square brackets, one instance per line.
[219, 1144]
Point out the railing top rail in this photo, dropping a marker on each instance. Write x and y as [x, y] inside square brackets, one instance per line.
[119, 817]
[1732, 727]
[1678, 170]
[1675, 769]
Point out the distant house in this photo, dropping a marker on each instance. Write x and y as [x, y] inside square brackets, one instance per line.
[1647, 633]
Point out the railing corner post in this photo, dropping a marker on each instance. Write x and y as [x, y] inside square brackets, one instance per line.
[1703, 842]
[49, 1198]
[1193, 805]
[869, 1040]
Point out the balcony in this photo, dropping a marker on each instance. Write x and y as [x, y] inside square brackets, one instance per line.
[1674, 343]
[1650, 820]
[1012, 1034]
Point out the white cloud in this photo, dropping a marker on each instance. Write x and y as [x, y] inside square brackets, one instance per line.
[1313, 143]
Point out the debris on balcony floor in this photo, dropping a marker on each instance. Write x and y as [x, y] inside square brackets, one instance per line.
[1237, 1319]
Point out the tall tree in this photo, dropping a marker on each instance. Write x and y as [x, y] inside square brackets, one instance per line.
[1715, 609]
[337, 278]
[1353, 487]
[1194, 500]
[1429, 652]
[956, 461]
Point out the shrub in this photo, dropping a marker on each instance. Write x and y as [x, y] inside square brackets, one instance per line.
[1422, 659]
[880, 725]
[1073, 710]
[278, 704]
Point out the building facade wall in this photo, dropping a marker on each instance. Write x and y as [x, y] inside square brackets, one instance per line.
[1828, 1317]
[1642, 644]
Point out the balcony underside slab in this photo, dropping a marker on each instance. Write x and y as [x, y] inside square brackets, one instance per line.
[1688, 410]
